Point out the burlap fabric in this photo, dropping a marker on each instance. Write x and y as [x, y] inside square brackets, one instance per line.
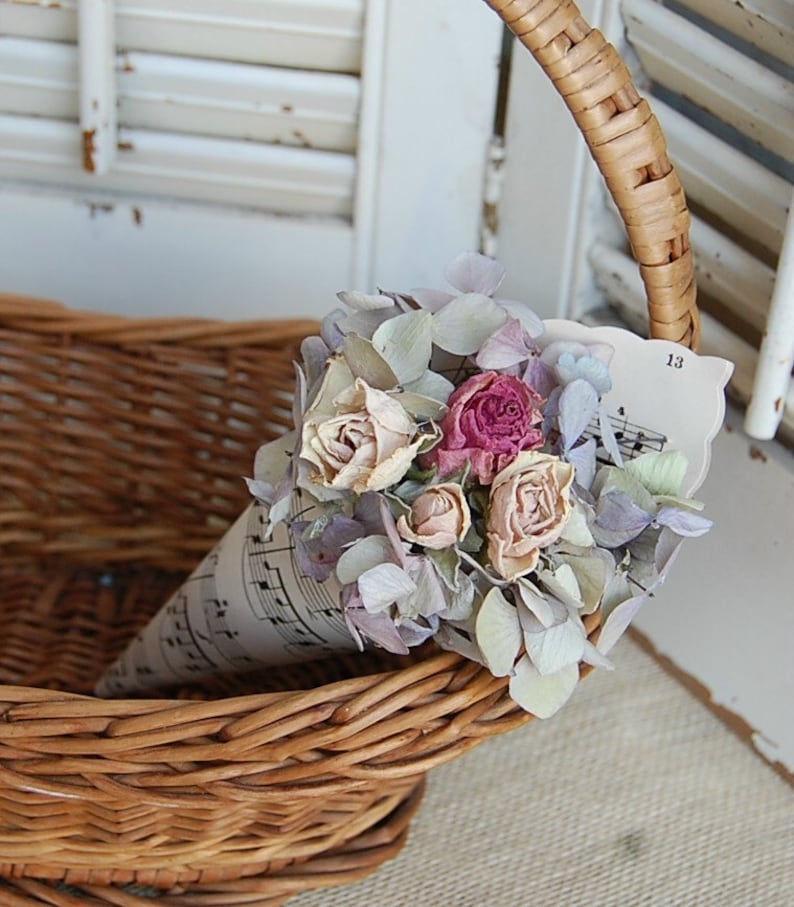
[634, 794]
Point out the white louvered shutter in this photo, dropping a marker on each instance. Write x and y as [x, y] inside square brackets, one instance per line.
[250, 149]
[720, 78]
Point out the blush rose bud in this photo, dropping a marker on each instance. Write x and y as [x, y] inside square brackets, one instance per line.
[439, 517]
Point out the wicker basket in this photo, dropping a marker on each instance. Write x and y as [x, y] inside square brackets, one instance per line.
[253, 789]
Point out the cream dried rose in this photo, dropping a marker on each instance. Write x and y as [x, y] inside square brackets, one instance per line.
[439, 517]
[363, 441]
[528, 509]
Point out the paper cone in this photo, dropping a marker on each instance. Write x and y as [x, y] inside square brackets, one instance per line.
[245, 607]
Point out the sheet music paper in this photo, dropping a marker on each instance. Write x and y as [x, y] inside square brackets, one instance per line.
[663, 395]
[247, 606]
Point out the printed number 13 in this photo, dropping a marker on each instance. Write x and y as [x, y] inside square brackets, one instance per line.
[674, 361]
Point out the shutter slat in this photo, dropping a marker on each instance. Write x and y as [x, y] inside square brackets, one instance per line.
[283, 106]
[39, 78]
[284, 180]
[765, 24]
[617, 274]
[728, 273]
[177, 94]
[740, 191]
[713, 75]
[273, 32]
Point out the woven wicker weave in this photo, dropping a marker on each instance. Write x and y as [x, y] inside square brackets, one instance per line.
[123, 443]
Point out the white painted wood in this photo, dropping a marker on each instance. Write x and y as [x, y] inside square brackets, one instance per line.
[727, 272]
[724, 615]
[268, 177]
[266, 104]
[369, 150]
[765, 24]
[440, 72]
[739, 190]
[690, 61]
[39, 78]
[618, 276]
[424, 150]
[309, 34]
[97, 84]
[553, 200]
[178, 94]
[776, 356]
[142, 257]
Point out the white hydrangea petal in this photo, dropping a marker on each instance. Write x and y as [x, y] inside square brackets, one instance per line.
[383, 585]
[576, 531]
[555, 648]
[464, 324]
[364, 555]
[472, 272]
[432, 385]
[498, 633]
[537, 603]
[367, 363]
[364, 302]
[618, 621]
[542, 694]
[405, 342]
[592, 656]
[562, 583]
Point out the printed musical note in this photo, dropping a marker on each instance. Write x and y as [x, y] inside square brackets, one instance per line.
[632, 439]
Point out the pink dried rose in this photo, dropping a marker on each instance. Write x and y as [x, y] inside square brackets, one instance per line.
[439, 517]
[491, 418]
[528, 509]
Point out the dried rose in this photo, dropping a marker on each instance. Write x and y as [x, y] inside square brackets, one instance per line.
[439, 517]
[491, 418]
[364, 441]
[528, 509]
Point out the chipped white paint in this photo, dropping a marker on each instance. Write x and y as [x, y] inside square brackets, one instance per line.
[146, 257]
[308, 34]
[776, 356]
[286, 219]
[690, 61]
[727, 272]
[97, 84]
[180, 94]
[725, 614]
[268, 177]
[766, 24]
[739, 190]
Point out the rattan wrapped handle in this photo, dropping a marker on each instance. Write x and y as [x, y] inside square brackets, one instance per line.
[627, 144]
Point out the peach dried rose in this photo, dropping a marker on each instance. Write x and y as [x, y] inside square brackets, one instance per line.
[528, 508]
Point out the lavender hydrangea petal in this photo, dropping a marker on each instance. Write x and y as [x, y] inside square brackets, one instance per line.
[378, 628]
[530, 320]
[683, 522]
[505, 348]
[578, 404]
[618, 520]
[471, 272]
[583, 458]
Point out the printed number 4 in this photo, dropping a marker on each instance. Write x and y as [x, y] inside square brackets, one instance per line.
[674, 361]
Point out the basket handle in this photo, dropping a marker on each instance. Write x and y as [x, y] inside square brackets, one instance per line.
[626, 141]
